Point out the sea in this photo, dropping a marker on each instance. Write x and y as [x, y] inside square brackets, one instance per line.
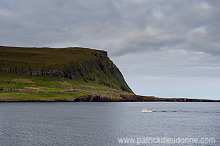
[109, 123]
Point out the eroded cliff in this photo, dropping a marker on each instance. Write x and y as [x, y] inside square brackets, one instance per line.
[73, 63]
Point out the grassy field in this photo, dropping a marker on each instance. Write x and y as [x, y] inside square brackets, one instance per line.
[20, 87]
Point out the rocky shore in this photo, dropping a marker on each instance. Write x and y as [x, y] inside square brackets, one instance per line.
[124, 98]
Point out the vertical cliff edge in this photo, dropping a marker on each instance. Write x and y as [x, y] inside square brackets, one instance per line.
[74, 63]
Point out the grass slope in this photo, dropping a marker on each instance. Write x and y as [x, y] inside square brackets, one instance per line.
[20, 87]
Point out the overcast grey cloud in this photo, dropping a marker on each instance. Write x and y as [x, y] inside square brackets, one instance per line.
[163, 48]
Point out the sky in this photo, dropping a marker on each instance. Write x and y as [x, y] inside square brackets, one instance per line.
[164, 48]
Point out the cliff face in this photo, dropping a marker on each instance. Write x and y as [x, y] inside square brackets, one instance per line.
[73, 63]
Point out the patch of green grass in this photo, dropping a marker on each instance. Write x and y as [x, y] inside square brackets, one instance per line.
[22, 81]
[51, 84]
[16, 96]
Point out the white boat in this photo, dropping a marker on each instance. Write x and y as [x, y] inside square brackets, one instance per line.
[146, 110]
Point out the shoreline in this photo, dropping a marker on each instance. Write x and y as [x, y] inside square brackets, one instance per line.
[124, 98]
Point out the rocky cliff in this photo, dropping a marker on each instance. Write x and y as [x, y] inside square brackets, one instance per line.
[72, 63]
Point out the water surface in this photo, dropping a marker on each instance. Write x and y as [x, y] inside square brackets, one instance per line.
[81, 123]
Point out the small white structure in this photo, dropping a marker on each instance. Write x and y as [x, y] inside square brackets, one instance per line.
[146, 110]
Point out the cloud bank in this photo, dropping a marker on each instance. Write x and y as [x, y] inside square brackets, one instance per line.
[165, 48]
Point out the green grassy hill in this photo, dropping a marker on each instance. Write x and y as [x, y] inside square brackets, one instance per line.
[50, 74]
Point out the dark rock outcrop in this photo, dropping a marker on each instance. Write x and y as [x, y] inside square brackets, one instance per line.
[139, 98]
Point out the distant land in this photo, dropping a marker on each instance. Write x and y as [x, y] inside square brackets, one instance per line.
[31, 74]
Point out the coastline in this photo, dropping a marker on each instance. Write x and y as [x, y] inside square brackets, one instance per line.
[124, 98]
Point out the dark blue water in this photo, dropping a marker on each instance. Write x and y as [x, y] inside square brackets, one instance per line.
[103, 123]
